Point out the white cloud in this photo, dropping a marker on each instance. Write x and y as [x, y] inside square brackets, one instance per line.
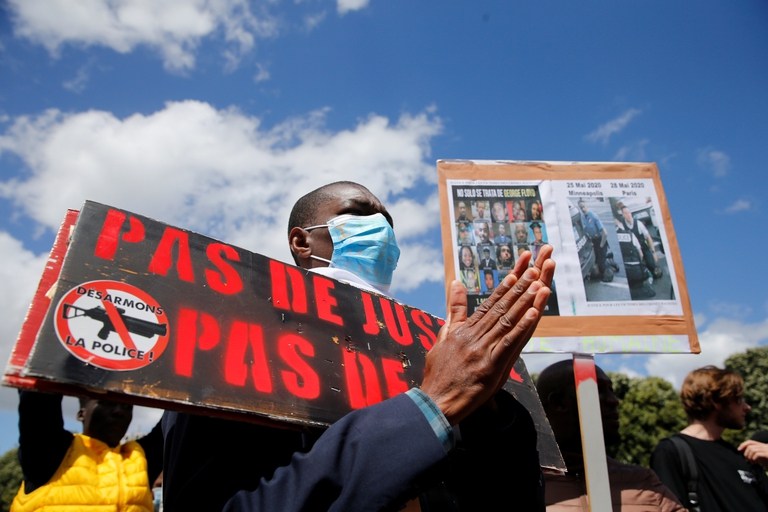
[218, 172]
[77, 84]
[535, 363]
[634, 152]
[729, 309]
[722, 338]
[344, 6]
[716, 162]
[313, 20]
[20, 271]
[629, 372]
[172, 27]
[604, 131]
[739, 206]
[262, 74]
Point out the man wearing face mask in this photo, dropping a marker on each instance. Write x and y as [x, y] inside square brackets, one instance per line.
[380, 456]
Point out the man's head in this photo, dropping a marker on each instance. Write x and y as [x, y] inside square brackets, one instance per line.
[103, 420]
[521, 233]
[462, 210]
[536, 228]
[480, 207]
[711, 393]
[482, 232]
[502, 230]
[465, 234]
[505, 254]
[317, 208]
[557, 390]
[583, 206]
[488, 276]
[499, 213]
[627, 215]
[487, 253]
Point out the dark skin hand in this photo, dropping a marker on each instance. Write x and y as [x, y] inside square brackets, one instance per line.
[473, 356]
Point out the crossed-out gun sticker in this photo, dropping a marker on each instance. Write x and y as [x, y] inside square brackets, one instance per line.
[112, 325]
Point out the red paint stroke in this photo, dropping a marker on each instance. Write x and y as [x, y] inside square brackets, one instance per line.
[584, 370]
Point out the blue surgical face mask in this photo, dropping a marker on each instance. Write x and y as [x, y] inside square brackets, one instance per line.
[364, 246]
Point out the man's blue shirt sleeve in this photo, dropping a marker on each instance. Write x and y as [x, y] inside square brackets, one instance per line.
[435, 417]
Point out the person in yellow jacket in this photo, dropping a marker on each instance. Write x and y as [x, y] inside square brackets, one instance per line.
[64, 471]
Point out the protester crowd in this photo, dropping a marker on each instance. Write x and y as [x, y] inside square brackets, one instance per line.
[457, 442]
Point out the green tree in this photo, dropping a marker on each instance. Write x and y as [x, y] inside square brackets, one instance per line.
[650, 410]
[752, 365]
[10, 478]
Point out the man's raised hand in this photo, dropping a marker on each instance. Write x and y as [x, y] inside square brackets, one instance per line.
[473, 356]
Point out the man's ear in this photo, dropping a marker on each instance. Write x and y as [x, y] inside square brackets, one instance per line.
[298, 240]
[80, 414]
[556, 400]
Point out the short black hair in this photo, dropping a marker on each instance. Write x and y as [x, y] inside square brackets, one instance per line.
[303, 212]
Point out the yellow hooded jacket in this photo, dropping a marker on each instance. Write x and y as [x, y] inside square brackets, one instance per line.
[93, 477]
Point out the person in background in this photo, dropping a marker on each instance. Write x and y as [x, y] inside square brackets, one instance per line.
[633, 488]
[728, 480]
[597, 234]
[84, 471]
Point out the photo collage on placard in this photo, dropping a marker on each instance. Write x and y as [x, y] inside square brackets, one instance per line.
[620, 249]
[494, 226]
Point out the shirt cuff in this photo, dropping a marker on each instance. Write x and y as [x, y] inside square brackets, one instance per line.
[435, 417]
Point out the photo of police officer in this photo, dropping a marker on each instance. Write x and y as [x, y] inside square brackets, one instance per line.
[595, 236]
[643, 256]
[466, 233]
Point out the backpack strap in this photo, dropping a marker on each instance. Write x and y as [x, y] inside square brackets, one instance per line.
[690, 470]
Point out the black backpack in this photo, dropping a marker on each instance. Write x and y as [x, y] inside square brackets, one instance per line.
[690, 470]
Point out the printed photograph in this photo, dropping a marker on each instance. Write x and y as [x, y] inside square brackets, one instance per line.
[520, 230]
[620, 259]
[466, 233]
[499, 211]
[487, 257]
[483, 232]
[501, 234]
[467, 258]
[489, 281]
[504, 256]
[469, 280]
[480, 210]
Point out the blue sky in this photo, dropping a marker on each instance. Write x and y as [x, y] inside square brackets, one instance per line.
[216, 116]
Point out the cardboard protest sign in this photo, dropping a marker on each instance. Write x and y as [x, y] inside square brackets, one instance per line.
[160, 316]
[619, 285]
